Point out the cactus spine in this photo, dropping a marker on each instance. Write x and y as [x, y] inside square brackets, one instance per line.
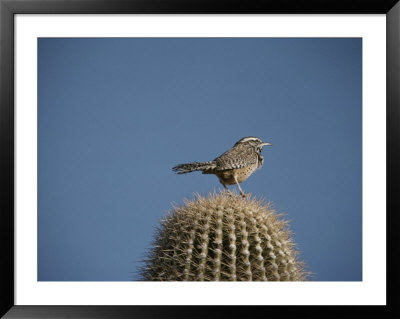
[223, 238]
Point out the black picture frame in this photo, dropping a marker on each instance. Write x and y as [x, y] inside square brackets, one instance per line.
[8, 8]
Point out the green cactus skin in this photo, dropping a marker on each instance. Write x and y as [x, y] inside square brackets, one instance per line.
[223, 237]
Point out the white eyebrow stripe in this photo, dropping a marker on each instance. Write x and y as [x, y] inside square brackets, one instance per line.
[246, 139]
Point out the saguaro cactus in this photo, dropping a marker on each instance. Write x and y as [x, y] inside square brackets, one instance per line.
[223, 237]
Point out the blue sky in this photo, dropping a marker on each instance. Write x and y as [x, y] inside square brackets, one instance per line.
[115, 115]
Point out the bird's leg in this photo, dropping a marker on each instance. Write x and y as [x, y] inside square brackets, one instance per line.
[237, 183]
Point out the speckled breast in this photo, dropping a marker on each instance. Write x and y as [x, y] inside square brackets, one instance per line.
[226, 177]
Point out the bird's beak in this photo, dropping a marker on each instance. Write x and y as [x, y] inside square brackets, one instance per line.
[266, 144]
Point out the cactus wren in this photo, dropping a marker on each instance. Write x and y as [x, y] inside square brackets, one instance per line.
[232, 167]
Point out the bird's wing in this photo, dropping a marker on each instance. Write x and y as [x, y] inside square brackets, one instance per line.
[237, 157]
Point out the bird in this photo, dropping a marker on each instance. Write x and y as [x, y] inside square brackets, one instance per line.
[232, 167]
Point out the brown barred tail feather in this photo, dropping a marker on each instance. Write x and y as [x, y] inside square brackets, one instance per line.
[192, 167]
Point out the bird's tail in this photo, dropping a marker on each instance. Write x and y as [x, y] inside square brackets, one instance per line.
[195, 166]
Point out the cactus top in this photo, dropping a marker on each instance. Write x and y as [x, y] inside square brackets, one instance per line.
[224, 238]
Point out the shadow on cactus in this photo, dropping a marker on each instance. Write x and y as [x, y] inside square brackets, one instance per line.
[223, 237]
